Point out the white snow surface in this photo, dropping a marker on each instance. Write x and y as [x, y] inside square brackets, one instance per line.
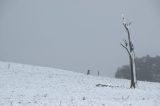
[26, 85]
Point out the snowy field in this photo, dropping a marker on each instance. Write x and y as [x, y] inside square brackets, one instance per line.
[25, 85]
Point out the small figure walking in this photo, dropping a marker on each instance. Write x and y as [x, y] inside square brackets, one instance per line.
[88, 72]
[98, 73]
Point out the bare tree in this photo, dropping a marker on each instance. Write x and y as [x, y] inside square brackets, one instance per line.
[128, 45]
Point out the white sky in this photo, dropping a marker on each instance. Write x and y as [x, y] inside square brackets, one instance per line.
[77, 35]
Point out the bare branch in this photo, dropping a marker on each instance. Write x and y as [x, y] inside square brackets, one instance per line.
[124, 20]
[125, 42]
[126, 49]
[125, 26]
[128, 33]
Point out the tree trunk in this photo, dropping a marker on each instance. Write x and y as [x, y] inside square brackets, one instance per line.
[132, 72]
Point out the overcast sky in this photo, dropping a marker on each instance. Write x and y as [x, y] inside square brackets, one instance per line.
[77, 35]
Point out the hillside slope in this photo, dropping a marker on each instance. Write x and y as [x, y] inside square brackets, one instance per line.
[25, 85]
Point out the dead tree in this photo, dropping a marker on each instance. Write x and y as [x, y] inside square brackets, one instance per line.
[128, 45]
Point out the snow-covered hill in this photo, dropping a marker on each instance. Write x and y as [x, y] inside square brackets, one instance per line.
[25, 85]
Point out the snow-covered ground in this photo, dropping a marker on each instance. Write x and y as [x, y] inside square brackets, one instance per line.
[25, 85]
